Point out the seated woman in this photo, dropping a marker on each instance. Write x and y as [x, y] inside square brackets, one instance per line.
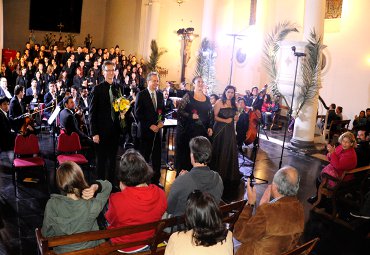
[342, 158]
[205, 233]
[76, 209]
[138, 202]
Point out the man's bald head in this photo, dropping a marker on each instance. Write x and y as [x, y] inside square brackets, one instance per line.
[286, 180]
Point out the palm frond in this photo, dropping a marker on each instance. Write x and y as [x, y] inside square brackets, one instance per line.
[311, 71]
[270, 50]
[154, 56]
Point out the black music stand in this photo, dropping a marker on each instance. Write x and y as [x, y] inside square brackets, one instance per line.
[298, 55]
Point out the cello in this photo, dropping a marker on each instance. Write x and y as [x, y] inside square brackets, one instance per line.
[254, 119]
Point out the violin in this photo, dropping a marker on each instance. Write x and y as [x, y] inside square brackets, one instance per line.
[251, 135]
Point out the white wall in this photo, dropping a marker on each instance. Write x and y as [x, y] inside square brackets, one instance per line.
[347, 81]
[122, 25]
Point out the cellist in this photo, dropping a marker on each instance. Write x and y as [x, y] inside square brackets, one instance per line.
[17, 110]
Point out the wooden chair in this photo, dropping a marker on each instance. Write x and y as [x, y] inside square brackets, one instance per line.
[336, 128]
[230, 212]
[279, 118]
[303, 249]
[338, 192]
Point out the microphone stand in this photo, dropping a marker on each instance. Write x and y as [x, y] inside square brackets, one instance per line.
[298, 55]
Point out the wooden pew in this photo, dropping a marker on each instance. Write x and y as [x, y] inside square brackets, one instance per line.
[45, 245]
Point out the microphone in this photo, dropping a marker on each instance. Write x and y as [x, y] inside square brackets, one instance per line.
[298, 54]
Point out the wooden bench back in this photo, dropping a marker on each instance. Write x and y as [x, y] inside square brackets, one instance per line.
[230, 214]
[304, 249]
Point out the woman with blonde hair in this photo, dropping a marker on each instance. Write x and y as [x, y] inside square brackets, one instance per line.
[76, 209]
[342, 159]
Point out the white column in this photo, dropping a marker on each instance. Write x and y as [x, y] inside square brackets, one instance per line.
[208, 19]
[1, 29]
[305, 123]
[151, 26]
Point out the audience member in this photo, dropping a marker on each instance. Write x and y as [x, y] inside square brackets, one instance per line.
[342, 158]
[76, 209]
[204, 233]
[4, 92]
[359, 121]
[363, 148]
[277, 224]
[200, 177]
[138, 202]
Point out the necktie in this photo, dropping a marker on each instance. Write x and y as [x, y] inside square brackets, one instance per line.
[111, 102]
[153, 100]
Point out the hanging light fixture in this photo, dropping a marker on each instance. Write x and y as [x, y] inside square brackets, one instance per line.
[179, 2]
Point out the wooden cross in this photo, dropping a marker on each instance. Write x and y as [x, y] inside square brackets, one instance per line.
[60, 27]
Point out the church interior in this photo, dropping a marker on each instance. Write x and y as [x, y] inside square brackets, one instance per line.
[266, 44]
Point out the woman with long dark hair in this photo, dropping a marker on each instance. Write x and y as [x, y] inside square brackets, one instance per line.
[204, 231]
[225, 153]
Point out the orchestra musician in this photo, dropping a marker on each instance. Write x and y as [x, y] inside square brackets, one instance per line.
[16, 113]
[7, 136]
[253, 101]
[50, 99]
[69, 122]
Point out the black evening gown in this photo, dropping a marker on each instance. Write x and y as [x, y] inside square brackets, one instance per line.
[224, 152]
[187, 128]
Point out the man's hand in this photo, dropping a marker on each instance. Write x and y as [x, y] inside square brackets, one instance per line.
[210, 132]
[330, 148]
[266, 195]
[96, 139]
[251, 191]
[195, 116]
[183, 172]
[154, 128]
[90, 192]
[160, 125]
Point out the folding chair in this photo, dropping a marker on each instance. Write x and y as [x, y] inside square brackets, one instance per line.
[68, 149]
[26, 155]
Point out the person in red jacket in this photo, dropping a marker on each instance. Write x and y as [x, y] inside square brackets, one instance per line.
[342, 159]
[138, 202]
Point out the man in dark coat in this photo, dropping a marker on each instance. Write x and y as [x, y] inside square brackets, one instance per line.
[148, 110]
[104, 123]
[7, 136]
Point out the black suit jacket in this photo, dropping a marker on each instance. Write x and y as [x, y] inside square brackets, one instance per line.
[146, 114]
[168, 106]
[68, 121]
[7, 137]
[100, 119]
[15, 110]
[257, 104]
[48, 100]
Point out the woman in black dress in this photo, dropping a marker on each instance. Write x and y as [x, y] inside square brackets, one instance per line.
[194, 119]
[224, 152]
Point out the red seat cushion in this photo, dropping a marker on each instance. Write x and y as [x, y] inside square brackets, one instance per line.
[28, 162]
[77, 158]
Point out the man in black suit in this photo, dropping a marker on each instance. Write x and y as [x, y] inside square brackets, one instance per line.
[16, 108]
[104, 123]
[7, 137]
[69, 122]
[254, 102]
[148, 110]
[50, 100]
[167, 104]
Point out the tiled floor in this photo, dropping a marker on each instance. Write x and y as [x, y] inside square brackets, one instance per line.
[20, 216]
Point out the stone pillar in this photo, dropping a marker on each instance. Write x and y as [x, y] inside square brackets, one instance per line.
[151, 27]
[305, 123]
[208, 19]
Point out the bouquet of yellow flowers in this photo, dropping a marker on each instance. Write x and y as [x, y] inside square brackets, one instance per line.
[121, 105]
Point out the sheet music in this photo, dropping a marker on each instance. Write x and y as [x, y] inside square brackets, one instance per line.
[54, 115]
